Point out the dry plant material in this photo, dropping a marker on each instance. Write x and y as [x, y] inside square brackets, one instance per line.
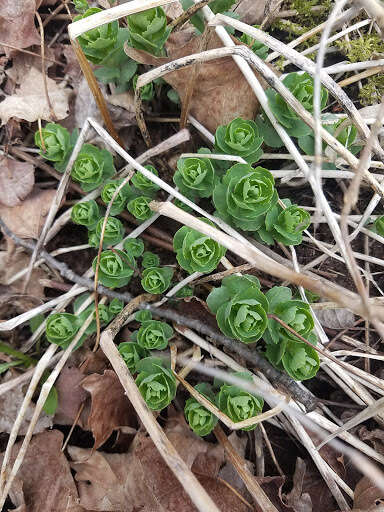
[30, 104]
[222, 93]
[252, 12]
[17, 25]
[368, 496]
[70, 396]
[297, 499]
[16, 181]
[27, 219]
[338, 318]
[47, 483]
[110, 408]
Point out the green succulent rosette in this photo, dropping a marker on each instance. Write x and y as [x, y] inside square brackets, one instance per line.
[153, 335]
[86, 214]
[113, 233]
[201, 421]
[295, 313]
[116, 268]
[57, 144]
[257, 47]
[298, 359]
[120, 200]
[116, 306]
[238, 404]
[143, 184]
[92, 167]
[195, 177]
[156, 384]
[148, 30]
[139, 207]
[61, 328]
[98, 42]
[105, 316]
[302, 87]
[196, 252]
[134, 246]
[156, 280]
[132, 353]
[240, 308]
[143, 315]
[150, 259]
[147, 92]
[240, 138]
[244, 195]
[285, 225]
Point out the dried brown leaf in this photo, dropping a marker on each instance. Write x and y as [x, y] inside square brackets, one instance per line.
[252, 12]
[339, 318]
[45, 474]
[110, 408]
[298, 500]
[70, 396]
[221, 93]
[16, 181]
[367, 496]
[29, 101]
[17, 24]
[27, 219]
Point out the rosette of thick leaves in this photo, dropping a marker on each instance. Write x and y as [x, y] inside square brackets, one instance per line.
[113, 233]
[301, 86]
[116, 268]
[139, 207]
[143, 184]
[156, 384]
[92, 167]
[150, 259]
[98, 42]
[244, 196]
[105, 316]
[201, 421]
[86, 214]
[116, 306]
[240, 308]
[196, 252]
[134, 246]
[295, 313]
[148, 30]
[240, 138]
[156, 280]
[61, 328]
[195, 177]
[120, 200]
[238, 404]
[143, 315]
[298, 359]
[56, 144]
[153, 335]
[132, 353]
[285, 225]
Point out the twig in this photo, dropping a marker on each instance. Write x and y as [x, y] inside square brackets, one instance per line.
[177, 23]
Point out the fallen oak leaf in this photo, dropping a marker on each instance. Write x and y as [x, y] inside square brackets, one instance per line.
[16, 181]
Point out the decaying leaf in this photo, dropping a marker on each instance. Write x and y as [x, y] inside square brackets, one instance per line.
[252, 12]
[222, 93]
[29, 101]
[10, 404]
[298, 500]
[17, 24]
[16, 181]
[110, 408]
[367, 496]
[339, 318]
[27, 219]
[45, 475]
[70, 396]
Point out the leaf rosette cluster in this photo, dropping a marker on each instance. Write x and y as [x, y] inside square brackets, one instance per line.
[241, 138]
[98, 42]
[116, 268]
[86, 214]
[148, 30]
[201, 421]
[195, 177]
[156, 383]
[92, 167]
[156, 280]
[153, 335]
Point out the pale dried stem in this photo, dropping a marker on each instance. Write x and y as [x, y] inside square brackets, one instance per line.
[353, 66]
[360, 76]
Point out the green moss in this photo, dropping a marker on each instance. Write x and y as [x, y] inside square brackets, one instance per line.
[372, 91]
[361, 49]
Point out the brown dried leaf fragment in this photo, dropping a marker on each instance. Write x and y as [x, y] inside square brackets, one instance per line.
[367, 496]
[70, 396]
[17, 24]
[16, 181]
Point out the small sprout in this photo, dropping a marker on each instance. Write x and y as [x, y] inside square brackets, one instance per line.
[147, 92]
[116, 268]
[201, 421]
[132, 353]
[148, 30]
[156, 280]
[57, 144]
[257, 47]
[134, 246]
[116, 306]
[298, 359]
[86, 214]
[196, 252]
[61, 328]
[92, 167]
[144, 184]
[244, 196]
[238, 404]
[98, 42]
[143, 316]
[139, 207]
[240, 308]
[156, 384]
[120, 200]
[240, 138]
[81, 5]
[150, 259]
[184, 292]
[195, 177]
[113, 233]
[153, 335]
[379, 225]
